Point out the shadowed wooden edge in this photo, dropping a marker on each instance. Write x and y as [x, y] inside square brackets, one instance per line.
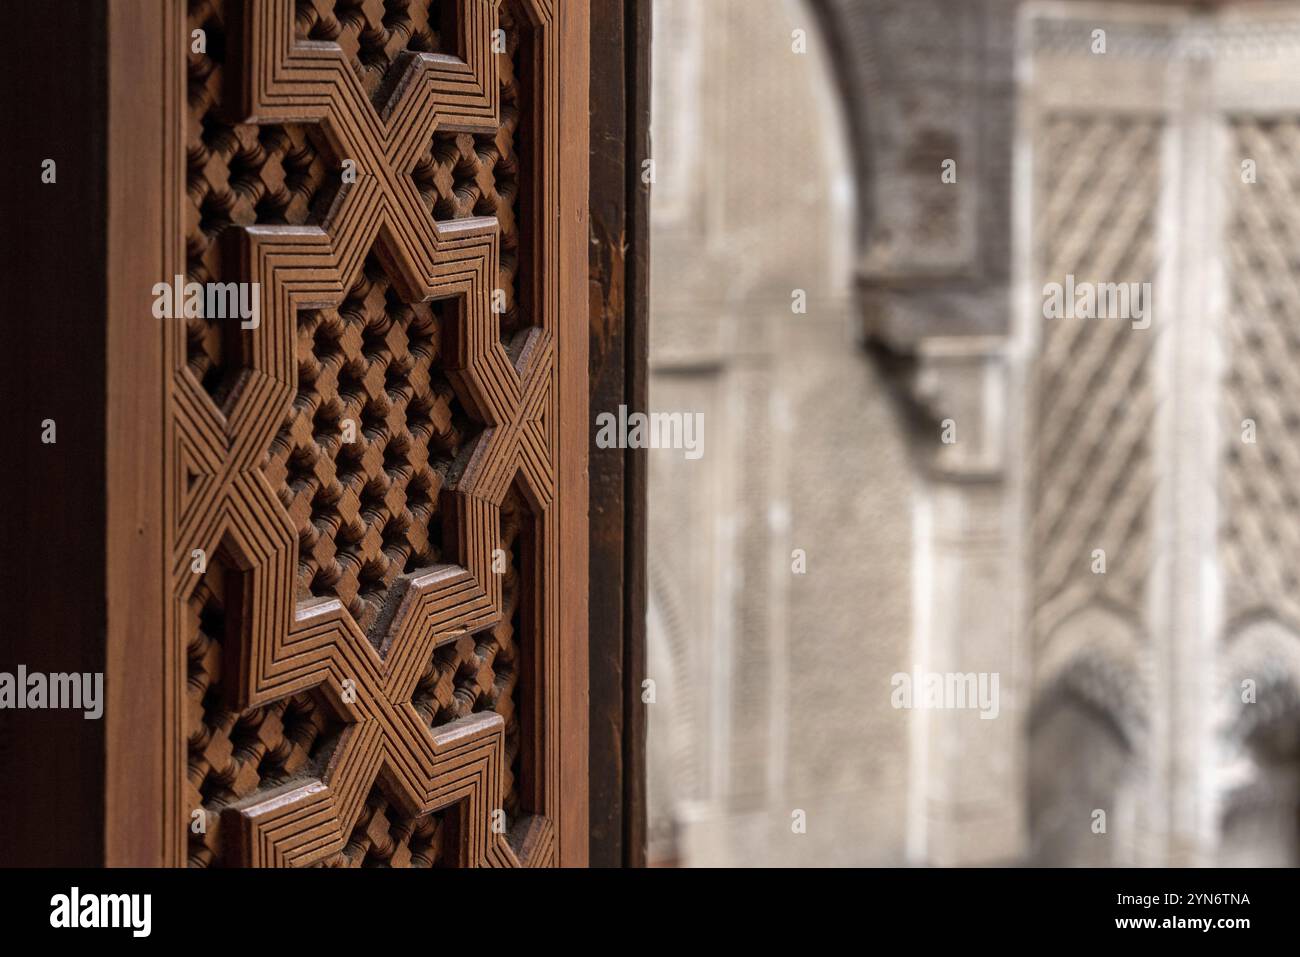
[54, 276]
[619, 293]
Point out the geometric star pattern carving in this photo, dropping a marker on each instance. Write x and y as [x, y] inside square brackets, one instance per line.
[351, 636]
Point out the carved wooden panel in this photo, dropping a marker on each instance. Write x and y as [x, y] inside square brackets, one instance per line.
[362, 485]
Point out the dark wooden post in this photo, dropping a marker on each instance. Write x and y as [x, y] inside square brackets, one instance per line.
[619, 262]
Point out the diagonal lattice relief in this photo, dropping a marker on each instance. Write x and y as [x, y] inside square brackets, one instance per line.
[1092, 466]
[1260, 529]
[372, 439]
[385, 837]
[233, 754]
[374, 34]
[486, 671]
[459, 175]
[476, 673]
[238, 174]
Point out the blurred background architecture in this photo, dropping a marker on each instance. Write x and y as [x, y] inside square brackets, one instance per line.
[908, 469]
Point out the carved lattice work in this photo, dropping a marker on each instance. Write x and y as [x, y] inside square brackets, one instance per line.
[482, 672]
[476, 673]
[238, 174]
[465, 174]
[372, 685]
[1260, 531]
[1094, 404]
[385, 837]
[234, 755]
[366, 509]
[374, 34]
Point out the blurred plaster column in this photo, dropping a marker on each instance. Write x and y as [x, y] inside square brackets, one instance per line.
[968, 804]
[929, 89]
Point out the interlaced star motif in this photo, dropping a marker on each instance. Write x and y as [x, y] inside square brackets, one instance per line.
[371, 607]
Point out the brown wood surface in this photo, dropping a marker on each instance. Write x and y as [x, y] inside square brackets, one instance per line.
[618, 287]
[138, 167]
